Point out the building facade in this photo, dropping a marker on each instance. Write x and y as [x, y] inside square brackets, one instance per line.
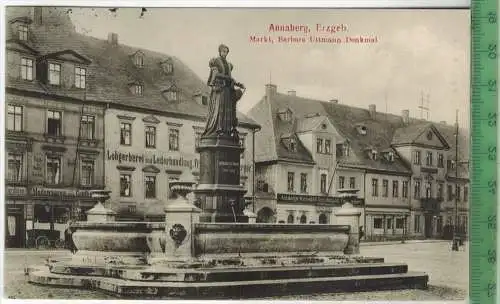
[398, 166]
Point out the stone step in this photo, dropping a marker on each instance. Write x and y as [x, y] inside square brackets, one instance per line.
[233, 289]
[165, 274]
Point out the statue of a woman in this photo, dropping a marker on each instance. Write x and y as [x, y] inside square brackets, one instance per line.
[222, 119]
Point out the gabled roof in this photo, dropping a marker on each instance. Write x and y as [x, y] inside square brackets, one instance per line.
[57, 55]
[111, 69]
[409, 134]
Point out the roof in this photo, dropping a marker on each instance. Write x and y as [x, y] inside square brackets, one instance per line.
[112, 69]
[382, 130]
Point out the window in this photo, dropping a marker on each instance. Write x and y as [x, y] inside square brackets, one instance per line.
[374, 154]
[328, 148]
[303, 182]
[466, 194]
[417, 223]
[341, 182]
[173, 140]
[440, 190]
[319, 145]
[390, 223]
[14, 118]
[303, 219]
[139, 60]
[87, 173]
[440, 160]
[416, 157]
[428, 159]
[450, 192]
[385, 188]
[150, 137]
[428, 190]
[395, 188]
[125, 134]
[291, 177]
[323, 219]
[80, 75]
[125, 185]
[53, 170]
[292, 146]
[138, 89]
[374, 187]
[377, 223]
[14, 167]
[168, 68]
[352, 182]
[87, 127]
[150, 185]
[458, 193]
[54, 74]
[416, 191]
[290, 219]
[405, 189]
[26, 69]
[400, 223]
[172, 95]
[22, 30]
[204, 100]
[323, 183]
[450, 164]
[54, 123]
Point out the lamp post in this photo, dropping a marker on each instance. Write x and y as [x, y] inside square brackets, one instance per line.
[454, 246]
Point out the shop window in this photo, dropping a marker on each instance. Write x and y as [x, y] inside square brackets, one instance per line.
[390, 223]
[399, 223]
[303, 219]
[323, 219]
[290, 219]
[377, 223]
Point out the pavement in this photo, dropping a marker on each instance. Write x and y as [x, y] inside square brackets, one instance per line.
[448, 274]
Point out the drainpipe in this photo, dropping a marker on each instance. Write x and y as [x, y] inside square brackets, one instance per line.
[364, 205]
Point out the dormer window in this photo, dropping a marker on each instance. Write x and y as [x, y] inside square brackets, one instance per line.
[138, 89]
[390, 156]
[171, 95]
[138, 59]
[285, 115]
[373, 154]
[22, 30]
[204, 100]
[26, 69]
[429, 135]
[343, 149]
[80, 77]
[168, 67]
[54, 74]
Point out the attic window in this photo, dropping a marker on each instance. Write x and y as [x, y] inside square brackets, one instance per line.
[390, 156]
[168, 67]
[292, 146]
[323, 126]
[139, 59]
[373, 154]
[285, 115]
[361, 129]
[429, 135]
[171, 94]
[22, 30]
[138, 89]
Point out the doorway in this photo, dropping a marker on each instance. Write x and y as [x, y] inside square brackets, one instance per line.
[14, 230]
[428, 226]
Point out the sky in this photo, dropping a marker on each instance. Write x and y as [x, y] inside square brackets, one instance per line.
[418, 53]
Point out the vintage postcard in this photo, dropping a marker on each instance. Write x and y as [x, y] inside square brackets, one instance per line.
[236, 153]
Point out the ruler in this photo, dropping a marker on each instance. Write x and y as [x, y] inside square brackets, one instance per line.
[484, 107]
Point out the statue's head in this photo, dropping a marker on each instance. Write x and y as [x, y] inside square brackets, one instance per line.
[223, 50]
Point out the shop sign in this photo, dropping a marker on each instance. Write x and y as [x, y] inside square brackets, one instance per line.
[317, 199]
[62, 194]
[16, 191]
[152, 159]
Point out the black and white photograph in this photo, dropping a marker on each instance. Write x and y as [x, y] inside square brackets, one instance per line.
[175, 153]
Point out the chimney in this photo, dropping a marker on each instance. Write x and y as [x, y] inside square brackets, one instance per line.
[373, 110]
[334, 100]
[406, 116]
[292, 93]
[271, 90]
[37, 15]
[113, 38]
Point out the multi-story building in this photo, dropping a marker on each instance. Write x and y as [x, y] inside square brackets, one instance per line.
[318, 148]
[54, 135]
[84, 113]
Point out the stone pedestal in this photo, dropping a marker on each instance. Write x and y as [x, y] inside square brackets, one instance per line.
[348, 215]
[252, 217]
[219, 189]
[180, 217]
[99, 213]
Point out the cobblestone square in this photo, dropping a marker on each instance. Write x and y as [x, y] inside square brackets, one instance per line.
[448, 272]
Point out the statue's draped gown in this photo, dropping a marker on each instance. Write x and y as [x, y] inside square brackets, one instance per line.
[222, 108]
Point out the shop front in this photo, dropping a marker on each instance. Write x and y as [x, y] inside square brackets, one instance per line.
[15, 217]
